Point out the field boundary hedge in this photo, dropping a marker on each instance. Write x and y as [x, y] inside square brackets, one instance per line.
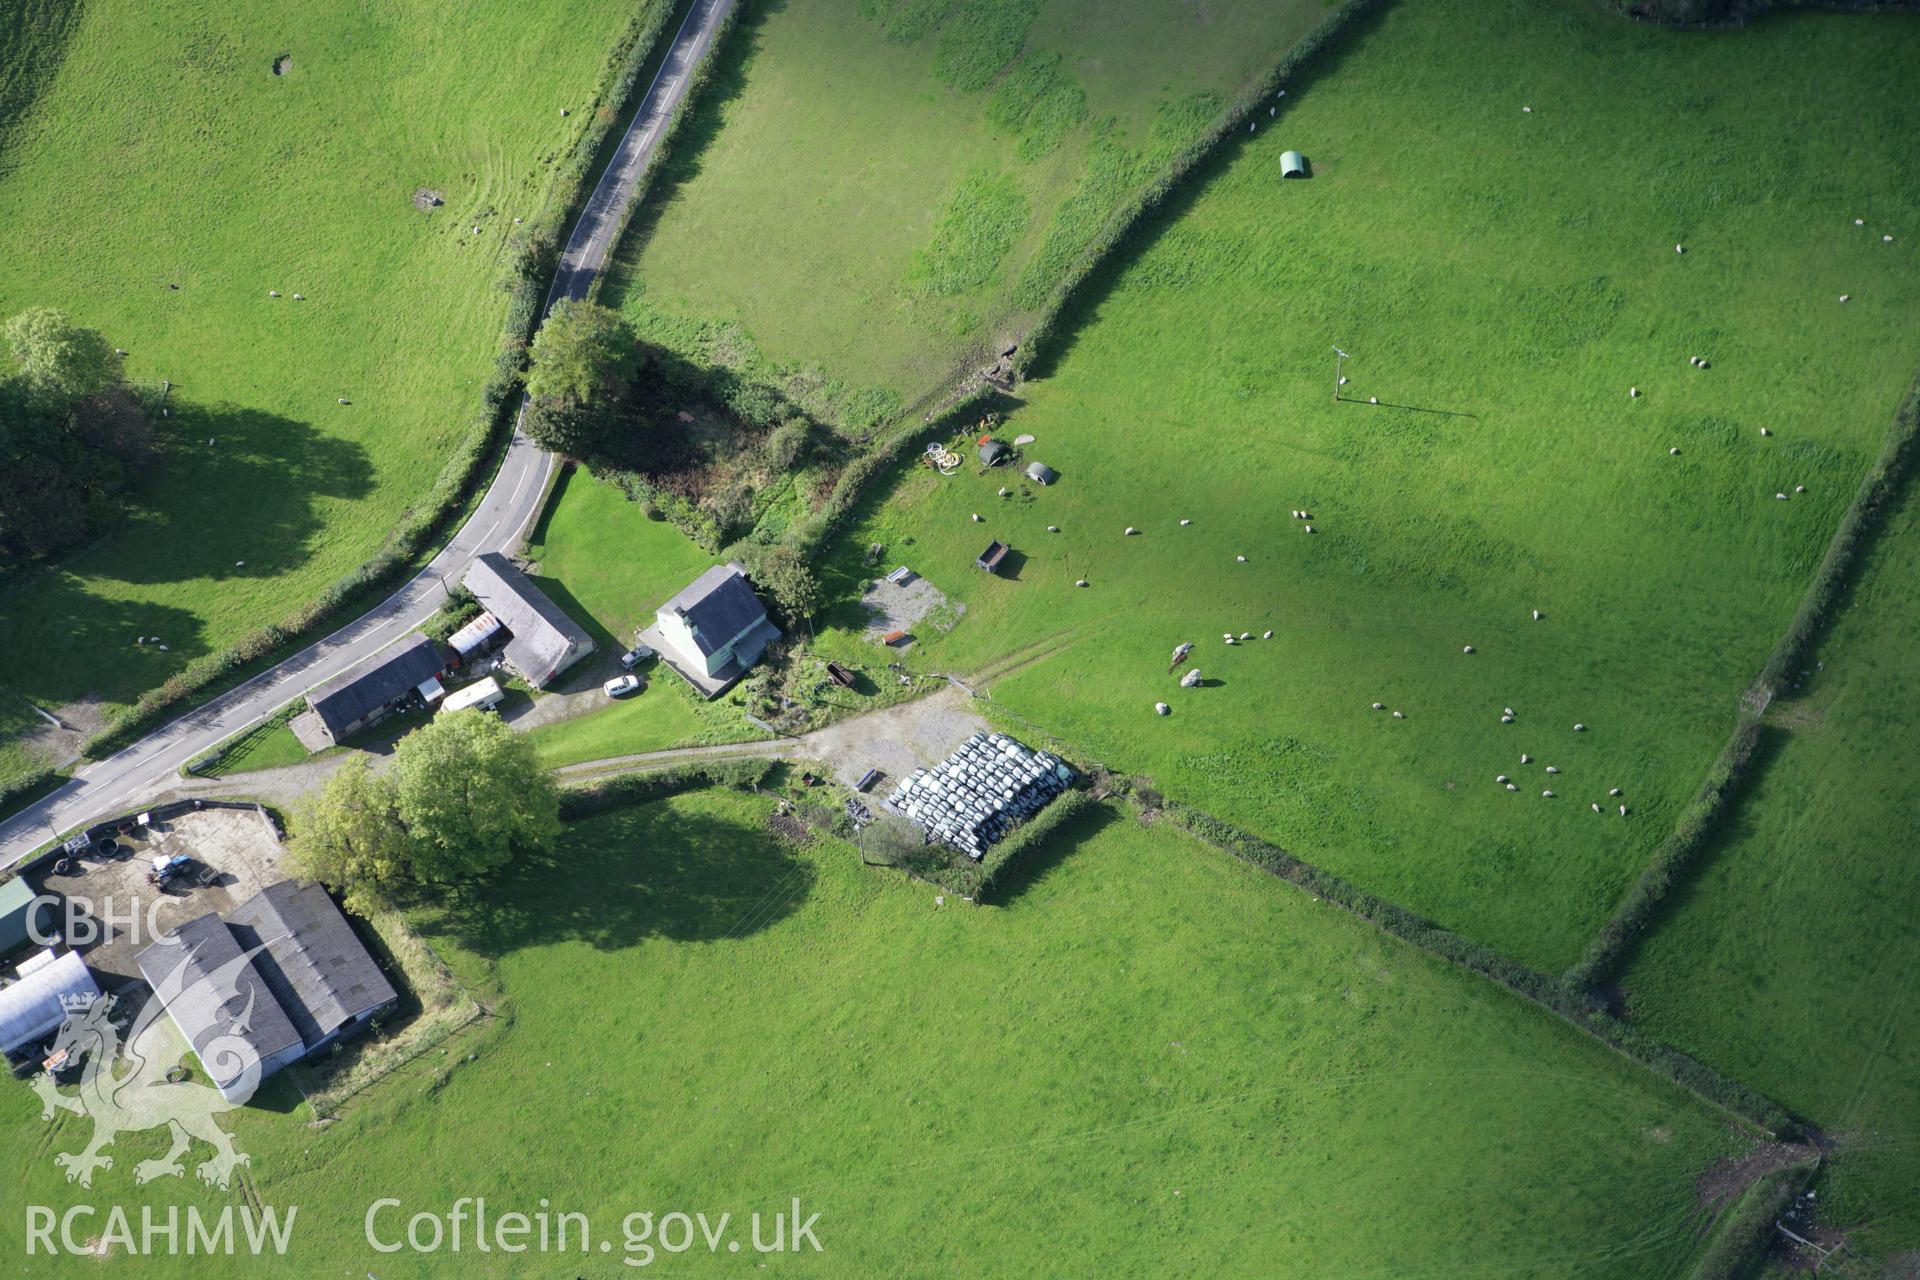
[1678, 854]
[1722, 1092]
[1746, 1233]
[585, 799]
[419, 528]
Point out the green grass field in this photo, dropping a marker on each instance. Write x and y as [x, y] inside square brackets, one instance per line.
[867, 195]
[1792, 959]
[1205, 1073]
[162, 150]
[1502, 279]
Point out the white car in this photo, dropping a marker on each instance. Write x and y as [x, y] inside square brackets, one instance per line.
[636, 655]
[621, 686]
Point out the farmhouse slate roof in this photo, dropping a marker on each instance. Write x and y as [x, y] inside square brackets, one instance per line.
[543, 634]
[353, 695]
[718, 606]
[314, 963]
[202, 1010]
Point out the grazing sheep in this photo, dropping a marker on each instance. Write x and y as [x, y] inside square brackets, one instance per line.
[1613, 791]
[1799, 488]
[1379, 706]
[299, 297]
[163, 648]
[1131, 531]
[1859, 222]
[344, 400]
[1552, 769]
[1694, 361]
[1266, 635]
[1674, 452]
[1845, 296]
[1466, 648]
[1512, 787]
[1633, 393]
[1081, 582]
[1373, 399]
[1780, 496]
[273, 293]
[976, 518]
[1579, 728]
[1162, 708]
[1525, 758]
[1527, 110]
[1004, 491]
[1507, 710]
[1623, 811]
[1506, 719]
[1246, 635]
[210, 440]
[1399, 715]
[1191, 679]
[119, 351]
[1308, 528]
[1241, 559]
[1765, 432]
[1546, 795]
[1343, 379]
[1704, 363]
[1231, 640]
[1053, 528]
[239, 564]
[1888, 239]
[1536, 615]
[1679, 248]
[1501, 778]
[1185, 523]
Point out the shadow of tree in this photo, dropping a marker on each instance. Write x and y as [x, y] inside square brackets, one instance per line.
[648, 871]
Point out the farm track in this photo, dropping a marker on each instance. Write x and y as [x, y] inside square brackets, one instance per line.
[498, 523]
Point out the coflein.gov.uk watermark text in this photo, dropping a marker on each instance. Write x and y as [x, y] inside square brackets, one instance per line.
[469, 1226]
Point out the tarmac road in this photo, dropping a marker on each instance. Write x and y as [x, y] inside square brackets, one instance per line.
[499, 523]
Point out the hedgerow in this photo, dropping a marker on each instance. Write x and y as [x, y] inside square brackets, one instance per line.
[1747, 1233]
[588, 798]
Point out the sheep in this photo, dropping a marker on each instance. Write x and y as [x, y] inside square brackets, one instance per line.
[1343, 379]
[1399, 715]
[1579, 728]
[1131, 531]
[1308, 528]
[210, 440]
[1613, 791]
[1536, 615]
[1704, 363]
[1053, 528]
[1633, 393]
[1241, 559]
[1859, 222]
[163, 648]
[1887, 239]
[1507, 710]
[1506, 719]
[1694, 361]
[1799, 488]
[1780, 497]
[273, 293]
[1466, 648]
[239, 564]
[1546, 795]
[1004, 491]
[563, 111]
[1845, 296]
[1623, 811]
[1080, 582]
[119, 351]
[1527, 110]
[1246, 635]
[1373, 399]
[1266, 635]
[299, 297]
[976, 518]
[1161, 708]
[1512, 787]
[1679, 248]
[1674, 452]
[1596, 808]
[1379, 706]
[1501, 778]
[1525, 758]
[1553, 768]
[1185, 523]
[344, 400]
[1765, 432]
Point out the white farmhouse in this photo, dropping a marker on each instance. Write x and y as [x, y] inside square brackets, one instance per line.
[714, 630]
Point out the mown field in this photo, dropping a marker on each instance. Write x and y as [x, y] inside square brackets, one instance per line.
[1792, 959]
[1205, 1072]
[873, 188]
[1502, 278]
[159, 149]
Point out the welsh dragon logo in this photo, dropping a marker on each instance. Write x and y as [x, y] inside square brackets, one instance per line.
[127, 1086]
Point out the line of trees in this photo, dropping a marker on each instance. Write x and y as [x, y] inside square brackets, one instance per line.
[74, 439]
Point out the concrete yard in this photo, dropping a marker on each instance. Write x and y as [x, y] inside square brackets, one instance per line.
[239, 843]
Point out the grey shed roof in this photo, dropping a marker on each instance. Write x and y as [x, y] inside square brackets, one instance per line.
[718, 605]
[32, 1007]
[204, 1002]
[314, 963]
[543, 634]
[366, 688]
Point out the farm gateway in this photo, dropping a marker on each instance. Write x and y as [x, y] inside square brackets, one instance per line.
[82, 1230]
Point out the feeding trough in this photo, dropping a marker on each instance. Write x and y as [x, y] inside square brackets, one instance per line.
[991, 558]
